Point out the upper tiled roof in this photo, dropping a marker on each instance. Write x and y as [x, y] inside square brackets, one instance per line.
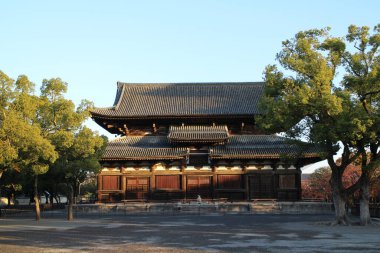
[198, 133]
[183, 99]
[262, 146]
[142, 148]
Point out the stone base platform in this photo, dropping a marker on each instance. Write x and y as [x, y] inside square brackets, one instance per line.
[256, 207]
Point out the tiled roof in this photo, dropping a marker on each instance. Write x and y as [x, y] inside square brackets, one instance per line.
[237, 147]
[262, 146]
[142, 148]
[183, 99]
[198, 133]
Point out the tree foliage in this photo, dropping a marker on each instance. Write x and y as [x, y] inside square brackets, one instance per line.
[318, 186]
[306, 100]
[79, 147]
[20, 134]
[45, 134]
[26, 148]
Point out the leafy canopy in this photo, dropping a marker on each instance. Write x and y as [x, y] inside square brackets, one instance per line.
[309, 102]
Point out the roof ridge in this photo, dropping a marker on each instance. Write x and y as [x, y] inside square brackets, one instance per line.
[123, 138]
[190, 83]
[102, 108]
[119, 95]
[185, 99]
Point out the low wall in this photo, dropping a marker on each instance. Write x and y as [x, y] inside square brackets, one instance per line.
[374, 210]
[306, 207]
[197, 208]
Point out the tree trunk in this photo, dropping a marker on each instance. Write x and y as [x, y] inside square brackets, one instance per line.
[338, 199]
[57, 199]
[46, 198]
[365, 216]
[36, 200]
[75, 193]
[13, 199]
[70, 206]
[340, 209]
[51, 200]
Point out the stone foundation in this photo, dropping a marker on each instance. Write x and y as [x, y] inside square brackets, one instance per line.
[204, 208]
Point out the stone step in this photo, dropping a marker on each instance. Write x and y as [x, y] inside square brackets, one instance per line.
[265, 207]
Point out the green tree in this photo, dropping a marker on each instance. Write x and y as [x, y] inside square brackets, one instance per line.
[46, 132]
[305, 100]
[8, 150]
[83, 157]
[10, 185]
[78, 146]
[25, 146]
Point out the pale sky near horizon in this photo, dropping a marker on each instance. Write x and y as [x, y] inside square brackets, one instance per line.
[93, 44]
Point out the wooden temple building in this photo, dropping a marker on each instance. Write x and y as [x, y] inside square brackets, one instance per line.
[181, 140]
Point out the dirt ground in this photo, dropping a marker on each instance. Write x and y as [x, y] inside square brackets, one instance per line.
[186, 233]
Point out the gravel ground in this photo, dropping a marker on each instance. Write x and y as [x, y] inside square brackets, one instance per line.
[186, 233]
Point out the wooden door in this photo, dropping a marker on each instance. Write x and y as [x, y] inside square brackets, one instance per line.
[261, 186]
[199, 185]
[137, 187]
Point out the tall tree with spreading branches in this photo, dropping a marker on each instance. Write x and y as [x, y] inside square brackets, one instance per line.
[306, 100]
[25, 147]
[76, 145]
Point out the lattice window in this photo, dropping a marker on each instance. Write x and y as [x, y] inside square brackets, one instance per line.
[287, 181]
[111, 182]
[168, 182]
[230, 181]
[137, 184]
[198, 182]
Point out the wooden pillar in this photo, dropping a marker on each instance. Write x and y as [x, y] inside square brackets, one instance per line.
[246, 186]
[184, 185]
[100, 187]
[214, 183]
[276, 185]
[274, 180]
[152, 181]
[298, 182]
[123, 186]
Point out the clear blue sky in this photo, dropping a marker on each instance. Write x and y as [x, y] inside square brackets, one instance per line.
[93, 44]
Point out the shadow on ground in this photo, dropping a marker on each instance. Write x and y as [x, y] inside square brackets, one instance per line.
[191, 233]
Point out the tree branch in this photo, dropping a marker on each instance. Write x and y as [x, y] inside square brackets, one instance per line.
[364, 103]
[371, 93]
[351, 67]
[353, 188]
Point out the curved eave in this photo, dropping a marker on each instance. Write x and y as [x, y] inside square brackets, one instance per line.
[266, 156]
[155, 117]
[95, 112]
[197, 140]
[119, 95]
[139, 158]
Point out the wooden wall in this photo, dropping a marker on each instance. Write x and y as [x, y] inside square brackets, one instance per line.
[174, 182]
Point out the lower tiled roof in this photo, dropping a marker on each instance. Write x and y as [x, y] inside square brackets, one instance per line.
[142, 148]
[198, 133]
[237, 147]
[262, 146]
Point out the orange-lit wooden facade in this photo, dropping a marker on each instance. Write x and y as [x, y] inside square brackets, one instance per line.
[178, 141]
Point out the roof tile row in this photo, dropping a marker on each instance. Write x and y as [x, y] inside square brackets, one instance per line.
[239, 147]
[184, 99]
[198, 133]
